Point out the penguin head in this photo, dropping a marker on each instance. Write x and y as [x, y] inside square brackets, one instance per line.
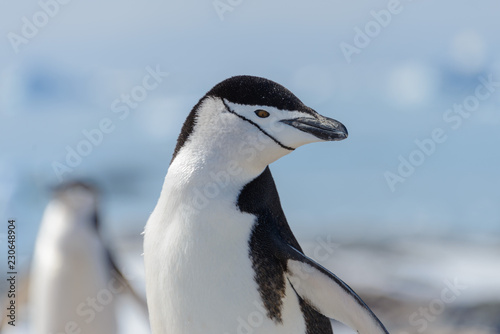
[254, 119]
[78, 197]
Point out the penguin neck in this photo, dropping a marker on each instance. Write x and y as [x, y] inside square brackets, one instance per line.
[60, 219]
[218, 171]
[217, 140]
[217, 157]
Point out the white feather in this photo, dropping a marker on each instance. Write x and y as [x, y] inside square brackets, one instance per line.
[69, 269]
[199, 277]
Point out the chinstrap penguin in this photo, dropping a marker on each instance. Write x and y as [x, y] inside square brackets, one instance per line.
[219, 254]
[74, 281]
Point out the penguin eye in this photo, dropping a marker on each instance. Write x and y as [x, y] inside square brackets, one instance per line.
[261, 113]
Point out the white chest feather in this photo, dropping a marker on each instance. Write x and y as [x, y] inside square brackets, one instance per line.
[200, 250]
[68, 277]
[199, 276]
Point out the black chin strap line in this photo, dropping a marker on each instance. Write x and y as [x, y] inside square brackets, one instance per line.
[258, 127]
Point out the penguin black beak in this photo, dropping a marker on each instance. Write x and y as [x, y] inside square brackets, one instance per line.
[322, 127]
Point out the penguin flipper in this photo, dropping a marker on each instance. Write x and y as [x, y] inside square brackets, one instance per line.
[117, 273]
[328, 294]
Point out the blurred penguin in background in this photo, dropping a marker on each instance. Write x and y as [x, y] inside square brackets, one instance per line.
[74, 281]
